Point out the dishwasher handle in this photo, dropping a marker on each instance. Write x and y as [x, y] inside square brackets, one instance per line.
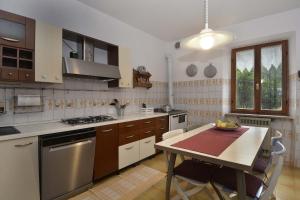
[70, 145]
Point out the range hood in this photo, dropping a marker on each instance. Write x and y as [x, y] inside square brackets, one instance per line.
[86, 67]
[82, 68]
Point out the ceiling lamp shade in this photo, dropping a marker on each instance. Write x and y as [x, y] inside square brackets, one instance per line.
[207, 38]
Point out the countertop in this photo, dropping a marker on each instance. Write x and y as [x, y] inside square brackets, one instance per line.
[29, 130]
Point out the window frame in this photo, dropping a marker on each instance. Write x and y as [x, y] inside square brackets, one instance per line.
[257, 79]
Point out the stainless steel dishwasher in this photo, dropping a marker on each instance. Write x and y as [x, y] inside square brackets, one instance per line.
[66, 163]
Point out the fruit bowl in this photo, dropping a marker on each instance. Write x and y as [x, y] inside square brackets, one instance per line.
[226, 125]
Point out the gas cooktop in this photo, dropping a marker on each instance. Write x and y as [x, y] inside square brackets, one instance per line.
[87, 120]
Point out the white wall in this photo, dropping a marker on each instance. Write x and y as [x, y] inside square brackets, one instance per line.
[73, 15]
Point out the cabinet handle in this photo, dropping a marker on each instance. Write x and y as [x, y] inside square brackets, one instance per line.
[107, 130]
[148, 132]
[131, 136]
[23, 145]
[10, 39]
[147, 142]
[130, 125]
[27, 75]
[148, 122]
[162, 128]
[128, 148]
[10, 74]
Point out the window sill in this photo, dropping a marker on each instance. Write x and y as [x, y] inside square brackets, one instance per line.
[258, 115]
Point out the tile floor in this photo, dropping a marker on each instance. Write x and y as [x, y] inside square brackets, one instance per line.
[288, 187]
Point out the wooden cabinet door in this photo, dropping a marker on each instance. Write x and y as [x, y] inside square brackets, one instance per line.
[19, 174]
[48, 53]
[125, 66]
[161, 126]
[106, 154]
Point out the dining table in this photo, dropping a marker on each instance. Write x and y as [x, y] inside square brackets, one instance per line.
[239, 154]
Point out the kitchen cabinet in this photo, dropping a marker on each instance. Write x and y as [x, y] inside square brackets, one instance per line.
[48, 53]
[19, 174]
[161, 126]
[125, 67]
[147, 147]
[106, 154]
[129, 154]
[16, 31]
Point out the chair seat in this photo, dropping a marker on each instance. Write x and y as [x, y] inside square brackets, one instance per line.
[226, 177]
[261, 164]
[195, 170]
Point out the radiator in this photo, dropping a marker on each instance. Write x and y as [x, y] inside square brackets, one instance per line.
[255, 121]
[259, 122]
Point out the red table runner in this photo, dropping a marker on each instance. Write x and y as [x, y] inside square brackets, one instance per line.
[211, 141]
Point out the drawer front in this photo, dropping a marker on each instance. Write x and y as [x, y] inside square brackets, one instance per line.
[147, 123]
[128, 154]
[147, 147]
[9, 74]
[147, 132]
[128, 127]
[125, 138]
[26, 75]
[107, 129]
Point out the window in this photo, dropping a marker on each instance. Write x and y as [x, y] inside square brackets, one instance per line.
[259, 79]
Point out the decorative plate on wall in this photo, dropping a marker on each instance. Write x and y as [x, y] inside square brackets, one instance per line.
[191, 70]
[210, 71]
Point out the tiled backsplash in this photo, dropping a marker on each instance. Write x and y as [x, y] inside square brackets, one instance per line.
[78, 97]
[202, 99]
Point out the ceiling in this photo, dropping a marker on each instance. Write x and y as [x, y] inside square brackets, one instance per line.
[170, 20]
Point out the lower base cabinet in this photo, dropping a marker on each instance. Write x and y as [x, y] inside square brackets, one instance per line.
[129, 154]
[19, 172]
[147, 147]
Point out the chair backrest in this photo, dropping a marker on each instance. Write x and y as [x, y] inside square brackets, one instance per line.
[276, 137]
[171, 134]
[168, 135]
[276, 172]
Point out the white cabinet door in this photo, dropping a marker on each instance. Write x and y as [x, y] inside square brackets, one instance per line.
[19, 173]
[128, 154]
[125, 66]
[48, 53]
[147, 147]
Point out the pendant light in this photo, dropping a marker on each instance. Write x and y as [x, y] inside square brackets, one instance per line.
[207, 38]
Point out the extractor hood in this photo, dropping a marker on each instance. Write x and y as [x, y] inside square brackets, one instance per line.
[82, 68]
[86, 67]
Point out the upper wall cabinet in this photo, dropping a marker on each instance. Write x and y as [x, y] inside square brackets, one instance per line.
[48, 53]
[16, 30]
[16, 47]
[125, 66]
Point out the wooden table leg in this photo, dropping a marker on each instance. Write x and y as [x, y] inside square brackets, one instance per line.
[171, 164]
[241, 185]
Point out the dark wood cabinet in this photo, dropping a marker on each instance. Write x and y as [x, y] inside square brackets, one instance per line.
[106, 154]
[16, 31]
[161, 126]
[17, 43]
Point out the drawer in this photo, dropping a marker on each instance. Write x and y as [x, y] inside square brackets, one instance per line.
[9, 74]
[128, 127]
[129, 154]
[147, 123]
[26, 75]
[125, 138]
[147, 147]
[147, 132]
[107, 129]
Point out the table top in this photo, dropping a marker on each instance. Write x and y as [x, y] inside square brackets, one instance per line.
[241, 154]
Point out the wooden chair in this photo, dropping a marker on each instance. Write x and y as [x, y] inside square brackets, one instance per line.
[196, 173]
[224, 179]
